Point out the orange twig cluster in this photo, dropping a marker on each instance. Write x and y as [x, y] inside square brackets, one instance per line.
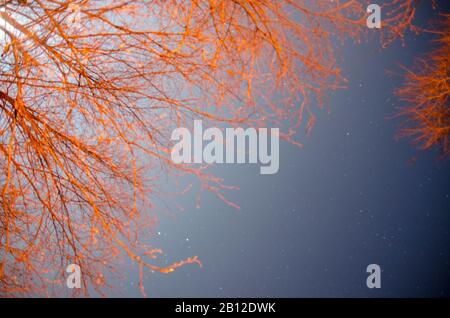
[427, 93]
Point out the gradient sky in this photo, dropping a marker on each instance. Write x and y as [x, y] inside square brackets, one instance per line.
[351, 197]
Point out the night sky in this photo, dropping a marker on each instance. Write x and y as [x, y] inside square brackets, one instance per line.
[352, 196]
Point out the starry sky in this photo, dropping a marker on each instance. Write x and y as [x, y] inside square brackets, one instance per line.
[352, 196]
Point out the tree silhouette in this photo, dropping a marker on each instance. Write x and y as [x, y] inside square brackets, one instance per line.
[90, 91]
